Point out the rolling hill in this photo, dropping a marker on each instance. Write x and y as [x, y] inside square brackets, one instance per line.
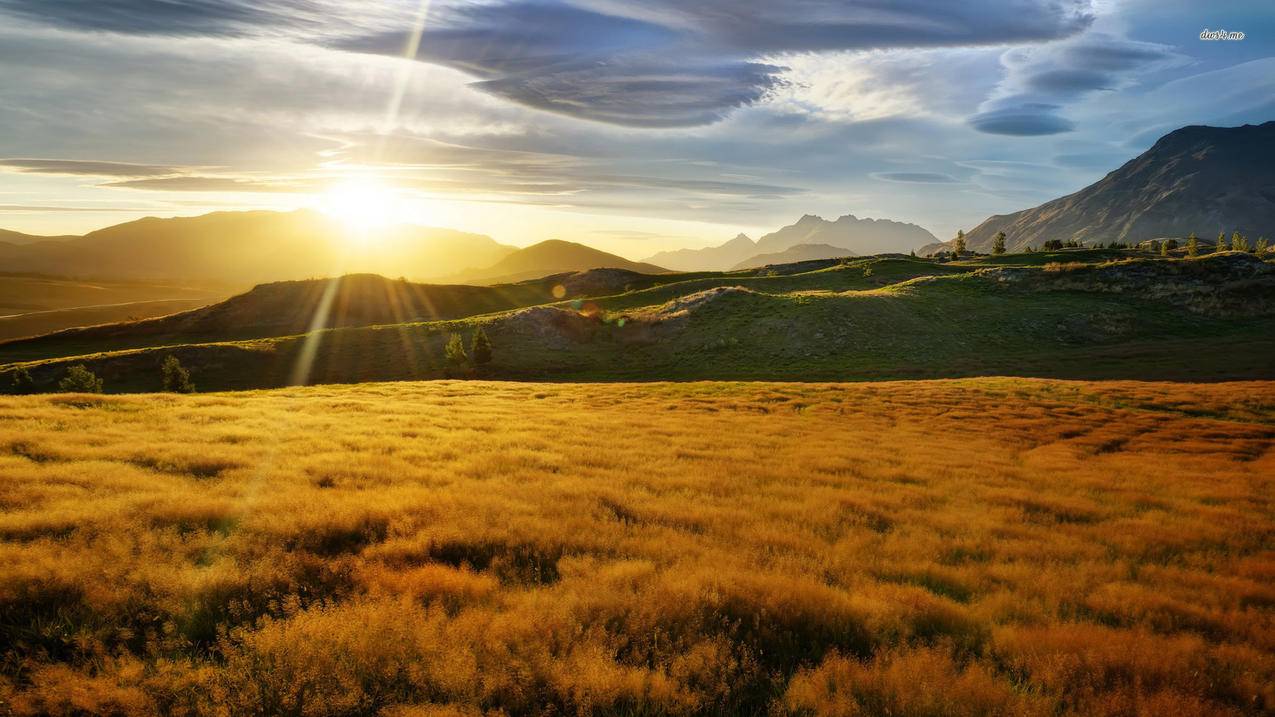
[874, 318]
[244, 248]
[800, 252]
[1195, 179]
[551, 257]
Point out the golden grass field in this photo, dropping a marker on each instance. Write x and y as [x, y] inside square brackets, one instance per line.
[970, 547]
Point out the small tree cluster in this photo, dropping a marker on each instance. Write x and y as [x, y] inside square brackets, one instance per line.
[79, 379]
[176, 377]
[478, 354]
[1261, 246]
[1239, 242]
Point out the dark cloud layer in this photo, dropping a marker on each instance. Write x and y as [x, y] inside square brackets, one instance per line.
[640, 63]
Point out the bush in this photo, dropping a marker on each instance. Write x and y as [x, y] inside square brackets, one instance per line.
[176, 377]
[480, 348]
[79, 379]
[22, 381]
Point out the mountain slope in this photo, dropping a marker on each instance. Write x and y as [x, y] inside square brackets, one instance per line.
[800, 252]
[1195, 179]
[19, 239]
[251, 247]
[552, 257]
[714, 258]
[860, 236]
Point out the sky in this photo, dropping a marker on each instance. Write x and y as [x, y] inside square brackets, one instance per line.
[632, 125]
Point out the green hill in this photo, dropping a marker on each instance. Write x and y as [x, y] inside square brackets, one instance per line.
[1202, 319]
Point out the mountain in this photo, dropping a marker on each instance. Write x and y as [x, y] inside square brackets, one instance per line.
[252, 247]
[1195, 179]
[800, 252]
[861, 236]
[19, 239]
[715, 258]
[551, 257]
[857, 236]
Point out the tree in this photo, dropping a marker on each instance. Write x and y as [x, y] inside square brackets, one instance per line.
[22, 381]
[958, 245]
[1192, 245]
[176, 377]
[998, 244]
[1052, 245]
[1239, 242]
[455, 352]
[480, 349]
[79, 379]
[1164, 248]
[1221, 241]
[1261, 246]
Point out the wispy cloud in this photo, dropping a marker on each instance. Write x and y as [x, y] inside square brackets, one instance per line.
[85, 167]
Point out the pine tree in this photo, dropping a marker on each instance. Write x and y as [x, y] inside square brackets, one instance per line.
[1261, 246]
[480, 349]
[998, 244]
[176, 377]
[1221, 242]
[958, 246]
[1192, 245]
[79, 379]
[455, 352]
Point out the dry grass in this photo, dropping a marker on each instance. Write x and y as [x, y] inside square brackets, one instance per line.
[989, 546]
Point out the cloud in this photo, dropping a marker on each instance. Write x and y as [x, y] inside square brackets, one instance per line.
[193, 183]
[39, 208]
[637, 63]
[1041, 80]
[916, 177]
[633, 235]
[1028, 119]
[85, 167]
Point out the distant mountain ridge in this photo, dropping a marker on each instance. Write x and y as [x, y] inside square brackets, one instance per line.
[860, 237]
[553, 256]
[251, 247]
[800, 252]
[1194, 179]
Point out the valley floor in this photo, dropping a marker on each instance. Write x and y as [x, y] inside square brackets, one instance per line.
[956, 547]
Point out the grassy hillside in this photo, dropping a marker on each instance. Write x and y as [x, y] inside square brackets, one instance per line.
[706, 548]
[1024, 323]
[38, 323]
[26, 293]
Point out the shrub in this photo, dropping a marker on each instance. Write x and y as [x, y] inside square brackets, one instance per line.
[1221, 242]
[480, 348]
[1239, 242]
[79, 379]
[455, 352]
[1192, 245]
[1261, 246]
[22, 381]
[176, 377]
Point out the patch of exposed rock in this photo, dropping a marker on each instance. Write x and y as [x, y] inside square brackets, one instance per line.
[683, 305]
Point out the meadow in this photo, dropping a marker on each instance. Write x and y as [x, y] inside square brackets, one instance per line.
[957, 547]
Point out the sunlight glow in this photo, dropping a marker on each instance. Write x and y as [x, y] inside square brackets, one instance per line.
[362, 204]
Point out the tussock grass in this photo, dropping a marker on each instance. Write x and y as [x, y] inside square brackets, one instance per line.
[984, 546]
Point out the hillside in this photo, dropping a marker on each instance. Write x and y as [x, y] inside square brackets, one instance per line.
[1201, 319]
[18, 238]
[551, 257]
[800, 252]
[249, 247]
[1195, 179]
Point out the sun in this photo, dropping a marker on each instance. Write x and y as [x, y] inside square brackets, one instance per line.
[362, 203]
